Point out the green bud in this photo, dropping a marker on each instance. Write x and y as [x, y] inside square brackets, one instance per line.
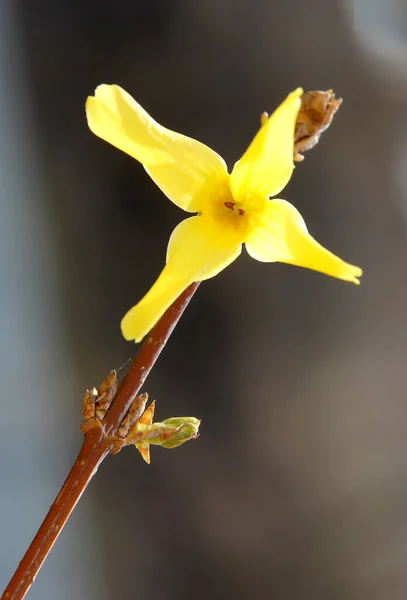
[168, 434]
[184, 429]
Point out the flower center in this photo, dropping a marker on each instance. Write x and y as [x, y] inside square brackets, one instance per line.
[238, 214]
[233, 206]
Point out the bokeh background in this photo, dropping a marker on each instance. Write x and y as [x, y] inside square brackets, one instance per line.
[297, 487]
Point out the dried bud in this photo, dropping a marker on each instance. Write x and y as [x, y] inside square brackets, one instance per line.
[96, 402]
[315, 115]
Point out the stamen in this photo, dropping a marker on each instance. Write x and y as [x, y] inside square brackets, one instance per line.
[232, 205]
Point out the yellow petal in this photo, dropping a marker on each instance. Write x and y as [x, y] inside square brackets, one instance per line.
[198, 249]
[184, 169]
[267, 165]
[280, 234]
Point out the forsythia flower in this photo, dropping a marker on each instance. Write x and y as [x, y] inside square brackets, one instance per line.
[232, 209]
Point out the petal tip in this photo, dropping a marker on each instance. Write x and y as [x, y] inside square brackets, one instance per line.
[128, 331]
[89, 102]
[103, 87]
[355, 274]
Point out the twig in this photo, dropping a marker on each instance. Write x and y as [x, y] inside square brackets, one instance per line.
[98, 443]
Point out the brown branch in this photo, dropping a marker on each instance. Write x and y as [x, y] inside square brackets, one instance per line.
[98, 443]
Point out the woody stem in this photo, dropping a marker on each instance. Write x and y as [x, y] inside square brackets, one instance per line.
[96, 446]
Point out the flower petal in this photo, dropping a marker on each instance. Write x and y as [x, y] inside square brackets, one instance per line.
[280, 234]
[267, 165]
[184, 169]
[198, 249]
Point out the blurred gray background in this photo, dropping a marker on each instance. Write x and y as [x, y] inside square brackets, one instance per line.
[297, 487]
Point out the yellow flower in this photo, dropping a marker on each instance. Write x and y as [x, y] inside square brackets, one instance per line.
[232, 209]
